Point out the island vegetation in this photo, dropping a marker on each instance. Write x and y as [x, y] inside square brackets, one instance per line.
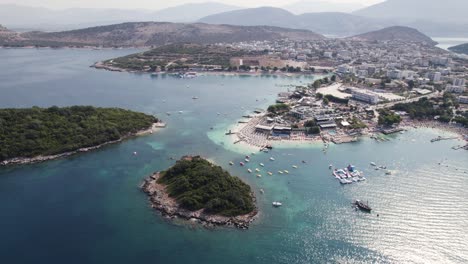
[197, 184]
[277, 109]
[30, 132]
[388, 117]
[196, 189]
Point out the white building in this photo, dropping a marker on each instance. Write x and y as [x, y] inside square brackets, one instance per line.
[365, 96]
[463, 99]
[394, 74]
[328, 54]
[459, 82]
[455, 89]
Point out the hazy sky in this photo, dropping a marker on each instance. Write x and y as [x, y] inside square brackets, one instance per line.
[158, 4]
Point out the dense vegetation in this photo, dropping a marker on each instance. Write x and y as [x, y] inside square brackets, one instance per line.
[430, 109]
[48, 131]
[311, 127]
[278, 108]
[179, 57]
[196, 183]
[388, 118]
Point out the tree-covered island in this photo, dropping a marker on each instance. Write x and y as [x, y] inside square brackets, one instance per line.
[37, 134]
[196, 189]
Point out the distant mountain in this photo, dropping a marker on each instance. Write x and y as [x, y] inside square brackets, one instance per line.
[396, 33]
[332, 23]
[191, 12]
[453, 11]
[463, 48]
[37, 18]
[315, 6]
[160, 33]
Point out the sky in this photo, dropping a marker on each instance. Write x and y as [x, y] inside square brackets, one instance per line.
[159, 4]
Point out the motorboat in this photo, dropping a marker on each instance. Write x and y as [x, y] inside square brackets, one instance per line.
[294, 166]
[231, 163]
[277, 204]
[373, 164]
[247, 160]
[272, 159]
[241, 163]
[259, 175]
[261, 164]
[280, 172]
[257, 170]
[270, 173]
[285, 171]
[249, 170]
[361, 205]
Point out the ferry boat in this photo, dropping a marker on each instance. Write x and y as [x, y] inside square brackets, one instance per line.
[361, 205]
[277, 204]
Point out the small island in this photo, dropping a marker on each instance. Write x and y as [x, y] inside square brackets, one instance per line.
[39, 134]
[197, 190]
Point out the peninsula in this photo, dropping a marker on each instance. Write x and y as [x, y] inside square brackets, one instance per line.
[40, 134]
[197, 190]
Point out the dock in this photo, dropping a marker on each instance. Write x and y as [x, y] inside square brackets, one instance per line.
[439, 138]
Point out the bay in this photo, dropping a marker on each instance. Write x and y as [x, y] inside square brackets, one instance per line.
[88, 208]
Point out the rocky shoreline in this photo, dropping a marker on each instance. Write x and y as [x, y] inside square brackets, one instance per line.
[38, 159]
[169, 208]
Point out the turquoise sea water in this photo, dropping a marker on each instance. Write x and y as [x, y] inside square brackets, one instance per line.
[88, 208]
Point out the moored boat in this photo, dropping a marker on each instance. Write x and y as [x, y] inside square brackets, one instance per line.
[361, 205]
[277, 204]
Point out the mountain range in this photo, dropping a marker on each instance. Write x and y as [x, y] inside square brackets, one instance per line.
[38, 18]
[435, 18]
[144, 34]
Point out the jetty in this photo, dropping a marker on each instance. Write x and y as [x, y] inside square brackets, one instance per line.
[439, 138]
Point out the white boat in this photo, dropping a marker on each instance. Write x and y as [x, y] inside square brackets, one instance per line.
[247, 160]
[259, 175]
[261, 164]
[195, 97]
[388, 173]
[277, 204]
[294, 166]
[257, 170]
[280, 172]
[373, 164]
[249, 170]
[231, 163]
[270, 173]
[285, 171]
[272, 159]
[180, 112]
[262, 191]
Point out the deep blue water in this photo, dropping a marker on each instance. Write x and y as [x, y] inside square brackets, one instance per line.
[88, 208]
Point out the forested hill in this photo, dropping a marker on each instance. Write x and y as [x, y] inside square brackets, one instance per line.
[145, 34]
[48, 131]
[197, 184]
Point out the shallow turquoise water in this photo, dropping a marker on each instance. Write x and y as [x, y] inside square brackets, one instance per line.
[88, 208]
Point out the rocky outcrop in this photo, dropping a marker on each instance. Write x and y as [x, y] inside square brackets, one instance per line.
[169, 208]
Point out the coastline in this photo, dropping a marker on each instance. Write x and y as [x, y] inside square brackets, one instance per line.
[37, 159]
[170, 209]
[102, 66]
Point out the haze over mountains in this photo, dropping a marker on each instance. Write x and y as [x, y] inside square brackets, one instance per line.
[434, 17]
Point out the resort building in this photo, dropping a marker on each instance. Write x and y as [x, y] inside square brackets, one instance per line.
[463, 99]
[365, 96]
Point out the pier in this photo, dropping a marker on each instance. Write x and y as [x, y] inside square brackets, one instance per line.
[439, 138]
